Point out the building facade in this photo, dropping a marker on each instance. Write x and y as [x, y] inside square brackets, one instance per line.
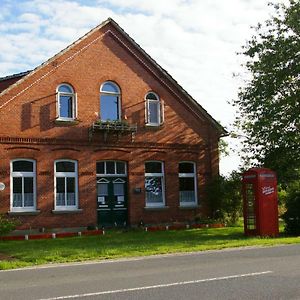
[100, 134]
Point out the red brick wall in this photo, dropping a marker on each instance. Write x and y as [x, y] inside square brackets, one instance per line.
[32, 113]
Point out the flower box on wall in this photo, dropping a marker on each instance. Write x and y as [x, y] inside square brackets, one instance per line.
[112, 127]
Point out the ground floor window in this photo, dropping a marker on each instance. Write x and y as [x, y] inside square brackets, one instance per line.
[66, 185]
[187, 183]
[23, 191]
[154, 183]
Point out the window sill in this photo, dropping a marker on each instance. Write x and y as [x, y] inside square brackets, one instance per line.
[156, 208]
[24, 213]
[66, 211]
[62, 122]
[189, 206]
[154, 126]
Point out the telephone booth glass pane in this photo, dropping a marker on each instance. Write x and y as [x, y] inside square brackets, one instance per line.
[250, 198]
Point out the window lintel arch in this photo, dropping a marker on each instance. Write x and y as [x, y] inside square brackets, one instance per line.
[65, 160]
[67, 85]
[151, 95]
[110, 87]
[187, 163]
[15, 160]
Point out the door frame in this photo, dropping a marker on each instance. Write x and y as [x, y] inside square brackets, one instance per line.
[118, 174]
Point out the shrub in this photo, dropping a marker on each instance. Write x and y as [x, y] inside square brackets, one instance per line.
[292, 215]
[225, 199]
[7, 224]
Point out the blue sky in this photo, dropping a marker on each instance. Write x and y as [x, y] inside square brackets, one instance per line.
[194, 40]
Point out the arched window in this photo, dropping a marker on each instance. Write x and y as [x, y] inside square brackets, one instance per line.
[110, 105]
[153, 110]
[23, 185]
[187, 183]
[66, 184]
[66, 102]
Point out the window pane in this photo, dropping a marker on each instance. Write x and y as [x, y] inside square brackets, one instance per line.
[120, 167]
[28, 191]
[186, 184]
[153, 167]
[151, 96]
[100, 167]
[110, 167]
[66, 106]
[71, 191]
[109, 107]
[119, 189]
[187, 189]
[17, 185]
[70, 185]
[65, 166]
[153, 187]
[187, 196]
[22, 166]
[153, 112]
[17, 192]
[60, 191]
[109, 87]
[186, 168]
[102, 189]
[65, 89]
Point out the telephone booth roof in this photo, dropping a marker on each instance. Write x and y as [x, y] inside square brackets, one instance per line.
[257, 171]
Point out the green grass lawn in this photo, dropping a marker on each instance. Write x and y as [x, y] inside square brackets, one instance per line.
[118, 243]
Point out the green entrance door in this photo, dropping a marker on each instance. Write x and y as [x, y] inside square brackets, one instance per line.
[111, 194]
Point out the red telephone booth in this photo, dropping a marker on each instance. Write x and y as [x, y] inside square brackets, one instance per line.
[260, 202]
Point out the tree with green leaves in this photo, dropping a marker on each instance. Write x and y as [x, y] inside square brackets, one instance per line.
[269, 103]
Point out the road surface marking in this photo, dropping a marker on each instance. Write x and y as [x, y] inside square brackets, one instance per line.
[158, 286]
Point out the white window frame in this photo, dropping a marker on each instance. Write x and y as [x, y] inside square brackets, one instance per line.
[66, 175]
[160, 110]
[22, 175]
[111, 94]
[74, 102]
[160, 175]
[105, 174]
[189, 175]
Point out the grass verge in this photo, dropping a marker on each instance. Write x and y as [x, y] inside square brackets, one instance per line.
[117, 244]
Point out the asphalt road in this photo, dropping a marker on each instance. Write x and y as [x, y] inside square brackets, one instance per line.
[251, 273]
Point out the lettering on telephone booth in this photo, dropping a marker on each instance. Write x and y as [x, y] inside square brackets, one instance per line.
[268, 190]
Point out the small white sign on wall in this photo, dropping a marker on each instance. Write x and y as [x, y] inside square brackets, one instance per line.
[2, 186]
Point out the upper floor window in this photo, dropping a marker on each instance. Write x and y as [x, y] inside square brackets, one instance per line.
[154, 183]
[66, 184]
[187, 183]
[110, 108]
[23, 186]
[66, 102]
[154, 112]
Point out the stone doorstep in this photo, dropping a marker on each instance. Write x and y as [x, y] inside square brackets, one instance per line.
[52, 235]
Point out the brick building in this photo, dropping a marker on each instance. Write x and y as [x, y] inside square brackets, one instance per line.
[101, 134]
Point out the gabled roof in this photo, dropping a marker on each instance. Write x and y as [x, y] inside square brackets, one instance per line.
[16, 79]
[6, 81]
